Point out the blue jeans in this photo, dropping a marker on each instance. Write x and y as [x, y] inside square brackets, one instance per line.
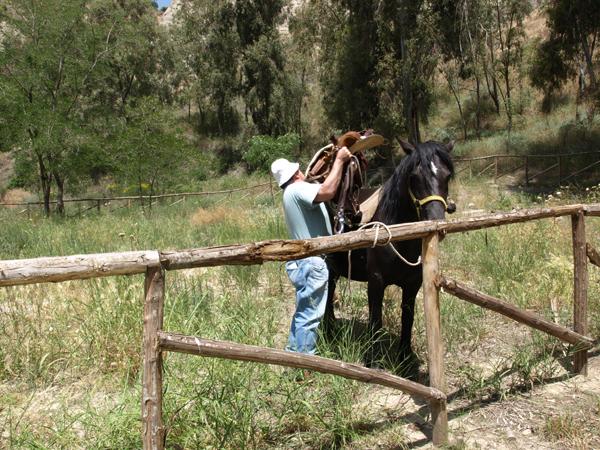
[310, 278]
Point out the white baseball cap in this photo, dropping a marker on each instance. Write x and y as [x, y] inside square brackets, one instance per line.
[283, 170]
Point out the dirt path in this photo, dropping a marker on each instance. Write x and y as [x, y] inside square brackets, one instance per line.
[562, 414]
[557, 415]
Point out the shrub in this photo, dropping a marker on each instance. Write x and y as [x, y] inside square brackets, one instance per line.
[262, 150]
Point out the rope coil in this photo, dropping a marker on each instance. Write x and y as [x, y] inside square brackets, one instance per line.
[378, 226]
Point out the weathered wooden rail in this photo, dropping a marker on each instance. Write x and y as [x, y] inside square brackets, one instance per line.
[99, 202]
[156, 340]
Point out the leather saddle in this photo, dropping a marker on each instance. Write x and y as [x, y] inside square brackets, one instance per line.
[345, 206]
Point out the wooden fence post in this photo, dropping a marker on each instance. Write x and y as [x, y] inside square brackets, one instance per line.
[496, 169]
[580, 287]
[526, 171]
[435, 345]
[152, 426]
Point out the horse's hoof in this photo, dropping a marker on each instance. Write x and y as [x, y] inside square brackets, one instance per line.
[408, 365]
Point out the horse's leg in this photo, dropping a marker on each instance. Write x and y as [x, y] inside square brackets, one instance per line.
[375, 292]
[409, 293]
[329, 317]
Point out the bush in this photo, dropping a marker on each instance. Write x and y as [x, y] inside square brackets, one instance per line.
[262, 150]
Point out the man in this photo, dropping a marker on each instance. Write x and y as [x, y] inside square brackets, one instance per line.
[306, 217]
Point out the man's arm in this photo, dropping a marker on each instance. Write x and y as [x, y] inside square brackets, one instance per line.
[331, 183]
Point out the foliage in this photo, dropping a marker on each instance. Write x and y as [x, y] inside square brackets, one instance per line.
[349, 81]
[570, 48]
[49, 66]
[209, 51]
[70, 68]
[262, 150]
[152, 150]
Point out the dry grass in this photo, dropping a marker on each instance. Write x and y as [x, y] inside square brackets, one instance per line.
[220, 214]
[17, 196]
[6, 169]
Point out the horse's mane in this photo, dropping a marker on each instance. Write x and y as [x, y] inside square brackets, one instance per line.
[395, 190]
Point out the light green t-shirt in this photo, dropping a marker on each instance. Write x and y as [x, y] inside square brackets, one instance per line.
[304, 218]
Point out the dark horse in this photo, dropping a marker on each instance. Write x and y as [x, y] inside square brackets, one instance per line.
[417, 190]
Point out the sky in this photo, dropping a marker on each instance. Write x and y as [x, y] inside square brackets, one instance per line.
[162, 3]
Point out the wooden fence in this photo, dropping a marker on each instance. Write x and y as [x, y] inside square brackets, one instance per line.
[156, 340]
[503, 165]
[99, 202]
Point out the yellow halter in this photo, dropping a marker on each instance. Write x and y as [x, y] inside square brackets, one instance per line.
[420, 203]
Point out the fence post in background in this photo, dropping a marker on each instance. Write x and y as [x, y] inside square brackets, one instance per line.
[435, 345]
[496, 168]
[526, 171]
[580, 288]
[152, 386]
[470, 169]
[272, 194]
[98, 204]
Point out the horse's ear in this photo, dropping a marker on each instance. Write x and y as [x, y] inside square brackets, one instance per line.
[407, 147]
[450, 146]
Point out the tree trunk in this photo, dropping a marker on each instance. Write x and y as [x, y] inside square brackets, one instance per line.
[45, 182]
[489, 74]
[460, 110]
[587, 53]
[60, 190]
[478, 107]
[411, 117]
[508, 95]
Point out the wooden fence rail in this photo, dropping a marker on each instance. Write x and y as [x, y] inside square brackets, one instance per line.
[506, 309]
[526, 159]
[63, 268]
[241, 352]
[155, 340]
[98, 201]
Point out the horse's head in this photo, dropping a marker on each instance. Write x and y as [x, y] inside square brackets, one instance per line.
[428, 171]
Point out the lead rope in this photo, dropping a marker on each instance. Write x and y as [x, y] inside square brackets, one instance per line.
[377, 226]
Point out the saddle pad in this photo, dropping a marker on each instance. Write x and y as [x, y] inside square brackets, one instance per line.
[369, 206]
[315, 158]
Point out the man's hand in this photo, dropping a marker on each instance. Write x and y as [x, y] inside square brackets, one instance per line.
[331, 183]
[343, 154]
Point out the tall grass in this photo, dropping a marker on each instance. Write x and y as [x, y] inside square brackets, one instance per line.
[70, 353]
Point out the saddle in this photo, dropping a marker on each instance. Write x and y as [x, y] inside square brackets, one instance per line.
[345, 206]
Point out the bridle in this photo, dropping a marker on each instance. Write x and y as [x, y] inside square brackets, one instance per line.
[419, 203]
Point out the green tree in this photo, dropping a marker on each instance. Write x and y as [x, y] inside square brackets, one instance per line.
[462, 39]
[49, 57]
[405, 71]
[570, 48]
[141, 60]
[152, 150]
[264, 82]
[209, 53]
[349, 79]
[262, 150]
[510, 36]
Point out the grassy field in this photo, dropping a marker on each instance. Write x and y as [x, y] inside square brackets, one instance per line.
[70, 353]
